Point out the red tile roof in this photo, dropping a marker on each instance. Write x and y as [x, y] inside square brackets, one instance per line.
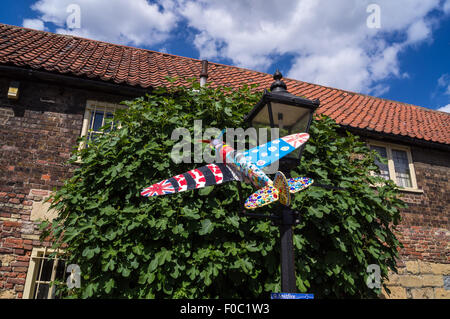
[144, 68]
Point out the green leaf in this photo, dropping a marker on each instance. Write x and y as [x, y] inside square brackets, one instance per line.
[316, 212]
[233, 221]
[126, 272]
[206, 227]
[109, 285]
[206, 190]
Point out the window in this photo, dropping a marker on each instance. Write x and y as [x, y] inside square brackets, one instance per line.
[95, 117]
[43, 269]
[399, 168]
[384, 169]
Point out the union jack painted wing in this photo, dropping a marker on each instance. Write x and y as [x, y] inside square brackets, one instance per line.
[162, 188]
[211, 174]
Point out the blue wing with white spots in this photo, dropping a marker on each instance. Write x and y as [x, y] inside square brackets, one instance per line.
[266, 154]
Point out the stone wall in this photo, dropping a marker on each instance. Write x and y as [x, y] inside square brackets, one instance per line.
[419, 280]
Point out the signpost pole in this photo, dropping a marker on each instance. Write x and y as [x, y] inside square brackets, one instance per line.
[288, 281]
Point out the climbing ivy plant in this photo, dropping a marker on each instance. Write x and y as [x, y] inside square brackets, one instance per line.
[195, 244]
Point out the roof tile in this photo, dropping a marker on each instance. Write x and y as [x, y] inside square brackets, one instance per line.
[139, 67]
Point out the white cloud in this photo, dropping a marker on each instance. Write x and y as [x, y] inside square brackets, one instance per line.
[418, 31]
[36, 24]
[443, 79]
[447, 7]
[136, 22]
[444, 108]
[444, 82]
[345, 66]
[329, 40]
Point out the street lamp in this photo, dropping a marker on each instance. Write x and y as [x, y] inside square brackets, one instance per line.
[290, 114]
[283, 110]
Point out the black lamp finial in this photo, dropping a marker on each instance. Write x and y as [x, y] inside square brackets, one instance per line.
[278, 85]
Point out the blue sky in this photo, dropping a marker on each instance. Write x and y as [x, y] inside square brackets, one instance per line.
[399, 50]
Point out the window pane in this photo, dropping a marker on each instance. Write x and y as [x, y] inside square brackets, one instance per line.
[98, 119]
[384, 170]
[46, 272]
[401, 164]
[109, 116]
[91, 119]
[61, 270]
[41, 292]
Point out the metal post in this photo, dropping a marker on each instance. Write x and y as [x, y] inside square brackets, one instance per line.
[288, 282]
[286, 219]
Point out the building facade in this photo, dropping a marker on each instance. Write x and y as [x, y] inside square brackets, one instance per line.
[55, 89]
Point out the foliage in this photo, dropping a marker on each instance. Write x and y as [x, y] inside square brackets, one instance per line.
[343, 231]
[195, 244]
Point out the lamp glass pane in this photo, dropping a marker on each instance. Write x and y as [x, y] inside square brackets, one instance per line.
[261, 122]
[292, 117]
[262, 118]
[289, 119]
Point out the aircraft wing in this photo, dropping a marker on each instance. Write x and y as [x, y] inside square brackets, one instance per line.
[211, 174]
[266, 154]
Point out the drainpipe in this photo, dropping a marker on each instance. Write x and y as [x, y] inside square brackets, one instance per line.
[204, 73]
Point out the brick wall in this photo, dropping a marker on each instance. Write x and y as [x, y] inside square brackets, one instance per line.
[38, 131]
[425, 230]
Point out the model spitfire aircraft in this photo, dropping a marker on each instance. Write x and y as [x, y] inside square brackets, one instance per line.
[242, 166]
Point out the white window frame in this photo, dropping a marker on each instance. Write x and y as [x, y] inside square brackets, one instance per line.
[391, 166]
[92, 106]
[33, 271]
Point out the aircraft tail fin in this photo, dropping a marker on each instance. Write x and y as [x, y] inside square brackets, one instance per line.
[280, 190]
[270, 193]
[299, 183]
[262, 197]
[281, 184]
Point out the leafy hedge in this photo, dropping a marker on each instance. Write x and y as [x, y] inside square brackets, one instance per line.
[194, 244]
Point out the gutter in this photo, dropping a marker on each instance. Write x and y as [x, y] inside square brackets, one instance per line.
[73, 81]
